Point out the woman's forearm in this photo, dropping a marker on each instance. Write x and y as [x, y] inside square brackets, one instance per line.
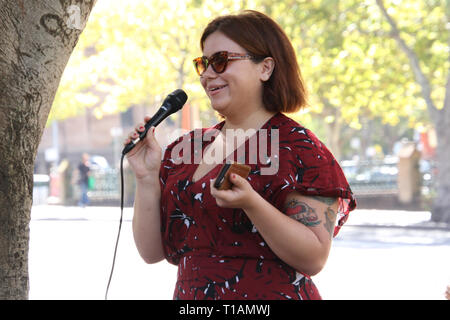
[290, 240]
[146, 220]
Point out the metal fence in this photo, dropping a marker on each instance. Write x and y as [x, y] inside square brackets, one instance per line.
[372, 177]
[368, 178]
[377, 177]
[380, 177]
[106, 186]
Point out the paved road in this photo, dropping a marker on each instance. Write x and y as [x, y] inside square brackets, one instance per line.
[377, 255]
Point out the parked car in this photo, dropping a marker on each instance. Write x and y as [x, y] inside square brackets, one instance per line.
[372, 177]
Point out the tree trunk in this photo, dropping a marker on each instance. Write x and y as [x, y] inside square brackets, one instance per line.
[333, 129]
[441, 205]
[440, 118]
[36, 40]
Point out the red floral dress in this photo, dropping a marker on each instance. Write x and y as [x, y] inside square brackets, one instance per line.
[218, 251]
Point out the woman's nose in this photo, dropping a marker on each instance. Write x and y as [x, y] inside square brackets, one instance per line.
[209, 72]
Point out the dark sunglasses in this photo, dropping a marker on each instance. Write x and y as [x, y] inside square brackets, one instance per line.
[218, 61]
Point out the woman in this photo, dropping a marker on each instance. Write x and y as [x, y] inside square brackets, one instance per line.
[267, 236]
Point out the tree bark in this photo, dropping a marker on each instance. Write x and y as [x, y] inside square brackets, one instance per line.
[441, 121]
[441, 205]
[333, 129]
[36, 41]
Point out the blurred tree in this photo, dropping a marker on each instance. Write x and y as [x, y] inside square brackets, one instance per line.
[351, 72]
[349, 52]
[420, 30]
[369, 60]
[126, 59]
[136, 52]
[36, 40]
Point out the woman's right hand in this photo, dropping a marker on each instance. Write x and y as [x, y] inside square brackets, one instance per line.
[145, 157]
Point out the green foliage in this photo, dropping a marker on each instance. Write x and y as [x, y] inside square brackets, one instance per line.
[135, 52]
[355, 70]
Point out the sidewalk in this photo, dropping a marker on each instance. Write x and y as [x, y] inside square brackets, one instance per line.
[358, 218]
[378, 254]
[394, 219]
[58, 212]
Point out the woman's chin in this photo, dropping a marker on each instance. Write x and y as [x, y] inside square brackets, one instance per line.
[219, 107]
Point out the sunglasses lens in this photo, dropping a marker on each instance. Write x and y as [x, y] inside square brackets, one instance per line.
[219, 61]
[200, 65]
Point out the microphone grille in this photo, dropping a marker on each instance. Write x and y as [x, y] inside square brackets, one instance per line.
[179, 98]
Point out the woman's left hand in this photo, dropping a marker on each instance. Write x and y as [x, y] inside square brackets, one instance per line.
[241, 194]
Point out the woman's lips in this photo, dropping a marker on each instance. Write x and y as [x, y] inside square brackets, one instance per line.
[213, 90]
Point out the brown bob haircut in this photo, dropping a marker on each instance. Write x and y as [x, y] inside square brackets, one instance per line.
[261, 36]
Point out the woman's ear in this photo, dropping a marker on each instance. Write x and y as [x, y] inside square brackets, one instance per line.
[267, 66]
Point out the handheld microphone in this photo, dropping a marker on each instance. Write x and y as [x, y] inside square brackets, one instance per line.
[171, 104]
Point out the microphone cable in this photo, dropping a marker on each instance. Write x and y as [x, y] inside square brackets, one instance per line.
[173, 102]
[120, 224]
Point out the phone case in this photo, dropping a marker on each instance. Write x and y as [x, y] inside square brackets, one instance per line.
[223, 181]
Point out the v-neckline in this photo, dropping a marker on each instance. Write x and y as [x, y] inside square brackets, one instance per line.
[219, 127]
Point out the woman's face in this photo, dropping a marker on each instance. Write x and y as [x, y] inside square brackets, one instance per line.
[239, 86]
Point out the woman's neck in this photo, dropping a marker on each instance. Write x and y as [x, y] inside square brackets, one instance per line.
[248, 120]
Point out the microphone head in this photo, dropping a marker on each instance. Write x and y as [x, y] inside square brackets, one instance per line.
[176, 99]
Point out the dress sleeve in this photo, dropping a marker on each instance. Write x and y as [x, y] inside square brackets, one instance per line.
[308, 167]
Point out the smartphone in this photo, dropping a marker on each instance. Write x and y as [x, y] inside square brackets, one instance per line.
[223, 181]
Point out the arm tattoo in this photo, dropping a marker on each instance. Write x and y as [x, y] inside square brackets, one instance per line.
[303, 213]
[330, 217]
[326, 200]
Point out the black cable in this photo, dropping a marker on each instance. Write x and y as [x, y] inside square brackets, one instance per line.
[120, 225]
